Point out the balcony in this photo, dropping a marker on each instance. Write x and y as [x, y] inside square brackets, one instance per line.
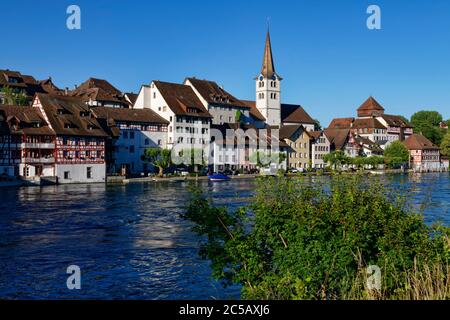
[38, 146]
[39, 160]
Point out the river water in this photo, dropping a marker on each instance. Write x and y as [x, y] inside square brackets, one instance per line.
[129, 241]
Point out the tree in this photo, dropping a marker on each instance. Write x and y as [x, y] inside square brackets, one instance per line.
[310, 241]
[194, 158]
[396, 154]
[427, 124]
[445, 145]
[336, 159]
[11, 97]
[317, 125]
[160, 158]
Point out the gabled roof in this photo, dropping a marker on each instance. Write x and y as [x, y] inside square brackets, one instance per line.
[341, 123]
[212, 93]
[254, 112]
[132, 97]
[315, 134]
[63, 111]
[286, 132]
[27, 118]
[98, 90]
[370, 105]
[337, 137]
[291, 113]
[370, 123]
[396, 121]
[50, 87]
[22, 82]
[182, 100]
[128, 115]
[419, 142]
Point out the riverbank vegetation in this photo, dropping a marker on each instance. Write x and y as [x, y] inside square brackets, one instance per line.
[301, 241]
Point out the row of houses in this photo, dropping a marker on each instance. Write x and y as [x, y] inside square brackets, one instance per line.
[84, 134]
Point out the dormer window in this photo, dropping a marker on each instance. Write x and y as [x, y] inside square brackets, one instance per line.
[13, 80]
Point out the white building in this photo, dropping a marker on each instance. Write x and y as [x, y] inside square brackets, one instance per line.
[320, 146]
[189, 121]
[132, 131]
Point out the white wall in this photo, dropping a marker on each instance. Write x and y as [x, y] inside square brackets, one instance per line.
[268, 106]
[78, 173]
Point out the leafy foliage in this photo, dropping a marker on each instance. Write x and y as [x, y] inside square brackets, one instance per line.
[445, 145]
[10, 97]
[427, 123]
[396, 154]
[160, 158]
[302, 241]
[336, 159]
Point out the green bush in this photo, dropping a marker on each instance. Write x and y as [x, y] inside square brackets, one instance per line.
[301, 241]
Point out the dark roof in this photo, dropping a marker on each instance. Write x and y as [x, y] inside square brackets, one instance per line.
[315, 134]
[368, 144]
[292, 113]
[129, 115]
[99, 90]
[286, 132]
[65, 111]
[132, 97]
[341, 123]
[254, 112]
[370, 105]
[396, 121]
[361, 123]
[419, 142]
[29, 120]
[24, 82]
[182, 100]
[214, 94]
[337, 137]
[50, 87]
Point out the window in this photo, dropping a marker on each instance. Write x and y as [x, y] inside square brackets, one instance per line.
[164, 109]
[66, 175]
[131, 149]
[159, 142]
[154, 95]
[131, 134]
[125, 134]
[89, 173]
[147, 142]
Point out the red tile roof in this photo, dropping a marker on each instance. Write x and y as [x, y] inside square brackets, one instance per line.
[419, 142]
[182, 100]
[337, 137]
[30, 120]
[371, 123]
[341, 123]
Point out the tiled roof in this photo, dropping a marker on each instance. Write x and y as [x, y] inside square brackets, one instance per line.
[213, 94]
[50, 87]
[370, 104]
[341, 123]
[286, 132]
[70, 116]
[337, 137]
[98, 90]
[419, 142]
[396, 121]
[30, 120]
[372, 123]
[315, 134]
[182, 100]
[129, 115]
[254, 112]
[291, 113]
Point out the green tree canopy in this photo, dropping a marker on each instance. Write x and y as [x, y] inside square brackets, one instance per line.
[427, 124]
[336, 159]
[310, 241]
[317, 125]
[160, 158]
[396, 154]
[11, 97]
[445, 145]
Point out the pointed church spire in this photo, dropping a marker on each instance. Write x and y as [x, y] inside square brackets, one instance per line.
[268, 67]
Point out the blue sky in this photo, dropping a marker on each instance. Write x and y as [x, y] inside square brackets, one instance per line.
[328, 58]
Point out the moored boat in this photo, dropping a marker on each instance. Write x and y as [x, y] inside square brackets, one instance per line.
[218, 177]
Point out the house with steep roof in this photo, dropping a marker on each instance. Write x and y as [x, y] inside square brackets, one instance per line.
[320, 146]
[424, 155]
[21, 84]
[80, 140]
[100, 93]
[189, 120]
[222, 105]
[27, 143]
[298, 146]
[131, 131]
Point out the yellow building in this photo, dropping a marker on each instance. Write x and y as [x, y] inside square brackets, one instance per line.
[297, 146]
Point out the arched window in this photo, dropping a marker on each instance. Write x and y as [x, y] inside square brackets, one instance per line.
[274, 95]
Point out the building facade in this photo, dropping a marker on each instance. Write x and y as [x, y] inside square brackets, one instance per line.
[424, 155]
[80, 140]
[320, 146]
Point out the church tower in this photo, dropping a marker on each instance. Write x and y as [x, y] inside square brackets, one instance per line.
[268, 88]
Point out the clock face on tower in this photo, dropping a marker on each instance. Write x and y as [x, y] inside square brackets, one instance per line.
[274, 77]
[261, 78]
